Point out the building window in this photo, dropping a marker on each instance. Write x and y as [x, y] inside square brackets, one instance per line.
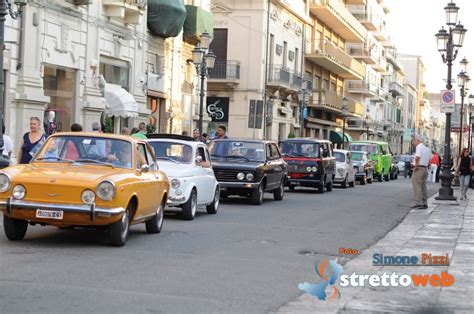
[60, 85]
[115, 71]
[285, 54]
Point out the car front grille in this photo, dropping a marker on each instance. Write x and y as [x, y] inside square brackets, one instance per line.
[229, 175]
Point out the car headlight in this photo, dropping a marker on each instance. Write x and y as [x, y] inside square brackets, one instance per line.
[4, 182]
[240, 176]
[175, 183]
[106, 190]
[88, 197]
[19, 192]
[315, 169]
[249, 176]
[308, 169]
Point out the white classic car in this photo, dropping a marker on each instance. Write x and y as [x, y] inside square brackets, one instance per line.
[344, 169]
[188, 166]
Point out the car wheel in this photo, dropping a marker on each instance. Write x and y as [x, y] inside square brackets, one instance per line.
[329, 186]
[118, 231]
[344, 183]
[155, 224]
[380, 177]
[388, 176]
[257, 195]
[189, 209]
[321, 186]
[352, 184]
[214, 206]
[15, 229]
[280, 192]
[363, 181]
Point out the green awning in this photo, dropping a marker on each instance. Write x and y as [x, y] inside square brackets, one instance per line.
[336, 137]
[198, 21]
[165, 18]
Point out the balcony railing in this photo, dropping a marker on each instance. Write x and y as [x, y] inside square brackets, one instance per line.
[365, 17]
[360, 51]
[326, 99]
[396, 89]
[280, 76]
[129, 10]
[225, 71]
[336, 15]
[361, 87]
[328, 55]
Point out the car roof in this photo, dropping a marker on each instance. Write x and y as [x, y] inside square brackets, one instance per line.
[369, 142]
[170, 136]
[238, 139]
[173, 140]
[344, 151]
[305, 139]
[359, 151]
[99, 135]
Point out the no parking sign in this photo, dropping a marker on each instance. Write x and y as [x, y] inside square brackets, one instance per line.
[447, 101]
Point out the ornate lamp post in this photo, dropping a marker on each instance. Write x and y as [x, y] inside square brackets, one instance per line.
[471, 102]
[5, 9]
[345, 113]
[463, 83]
[203, 59]
[368, 120]
[448, 44]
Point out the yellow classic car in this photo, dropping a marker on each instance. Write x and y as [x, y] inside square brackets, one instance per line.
[85, 180]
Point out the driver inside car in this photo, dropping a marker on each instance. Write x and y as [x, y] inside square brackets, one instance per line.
[252, 153]
[122, 156]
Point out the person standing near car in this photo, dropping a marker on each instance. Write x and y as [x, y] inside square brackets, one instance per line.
[31, 142]
[463, 169]
[420, 173]
[221, 133]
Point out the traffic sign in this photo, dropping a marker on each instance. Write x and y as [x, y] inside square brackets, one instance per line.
[447, 101]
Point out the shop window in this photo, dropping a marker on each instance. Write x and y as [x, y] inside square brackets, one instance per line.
[115, 71]
[60, 85]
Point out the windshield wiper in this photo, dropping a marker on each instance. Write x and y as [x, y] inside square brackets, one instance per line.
[54, 158]
[236, 156]
[96, 162]
[169, 159]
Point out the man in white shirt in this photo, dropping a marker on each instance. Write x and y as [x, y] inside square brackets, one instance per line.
[420, 174]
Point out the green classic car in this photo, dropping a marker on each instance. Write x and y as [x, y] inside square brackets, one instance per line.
[380, 153]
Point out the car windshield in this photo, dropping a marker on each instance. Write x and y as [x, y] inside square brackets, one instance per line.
[339, 156]
[299, 149]
[357, 156]
[175, 152]
[369, 148]
[252, 151]
[86, 149]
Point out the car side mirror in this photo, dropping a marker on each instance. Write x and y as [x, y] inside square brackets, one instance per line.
[144, 168]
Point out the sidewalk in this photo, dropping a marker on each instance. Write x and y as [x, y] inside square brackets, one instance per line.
[440, 229]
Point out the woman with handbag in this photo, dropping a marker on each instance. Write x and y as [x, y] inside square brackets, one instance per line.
[31, 142]
[464, 166]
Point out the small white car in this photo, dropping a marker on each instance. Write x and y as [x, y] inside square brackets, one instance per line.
[344, 169]
[188, 166]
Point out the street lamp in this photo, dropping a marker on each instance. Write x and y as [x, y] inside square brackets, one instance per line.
[368, 120]
[448, 44]
[344, 112]
[471, 103]
[5, 9]
[306, 88]
[463, 83]
[203, 59]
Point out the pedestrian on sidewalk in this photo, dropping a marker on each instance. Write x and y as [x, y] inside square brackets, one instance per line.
[434, 164]
[464, 167]
[420, 173]
[31, 142]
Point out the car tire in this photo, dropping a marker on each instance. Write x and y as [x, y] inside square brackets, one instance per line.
[15, 229]
[344, 183]
[380, 177]
[155, 224]
[257, 195]
[280, 192]
[214, 206]
[329, 186]
[352, 184]
[363, 181]
[118, 231]
[189, 209]
[387, 177]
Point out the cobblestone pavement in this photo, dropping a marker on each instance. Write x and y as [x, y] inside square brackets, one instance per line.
[441, 229]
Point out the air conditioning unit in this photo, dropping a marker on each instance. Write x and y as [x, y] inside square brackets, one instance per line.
[82, 2]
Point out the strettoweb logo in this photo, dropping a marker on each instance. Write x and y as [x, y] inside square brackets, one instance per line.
[395, 280]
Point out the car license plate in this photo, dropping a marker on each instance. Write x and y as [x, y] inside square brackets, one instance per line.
[50, 214]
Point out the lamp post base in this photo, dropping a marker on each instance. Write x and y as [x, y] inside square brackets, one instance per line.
[446, 192]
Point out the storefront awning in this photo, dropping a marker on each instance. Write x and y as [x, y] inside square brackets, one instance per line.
[336, 137]
[119, 102]
[198, 21]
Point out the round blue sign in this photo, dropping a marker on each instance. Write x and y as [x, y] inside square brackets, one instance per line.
[448, 97]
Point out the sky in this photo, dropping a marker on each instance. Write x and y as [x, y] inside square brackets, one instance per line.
[412, 25]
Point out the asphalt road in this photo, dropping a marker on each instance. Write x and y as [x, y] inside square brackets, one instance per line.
[244, 259]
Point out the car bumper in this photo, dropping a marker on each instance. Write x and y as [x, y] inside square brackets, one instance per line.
[72, 214]
[340, 178]
[176, 200]
[239, 185]
[360, 175]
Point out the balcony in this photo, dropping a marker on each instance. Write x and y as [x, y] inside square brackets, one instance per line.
[392, 58]
[380, 66]
[381, 35]
[365, 17]
[129, 10]
[361, 2]
[335, 15]
[225, 72]
[328, 100]
[362, 53]
[396, 89]
[282, 78]
[356, 124]
[336, 60]
[361, 87]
